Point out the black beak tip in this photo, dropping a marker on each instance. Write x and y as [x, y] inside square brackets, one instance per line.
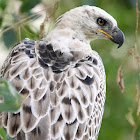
[121, 41]
[119, 46]
[118, 37]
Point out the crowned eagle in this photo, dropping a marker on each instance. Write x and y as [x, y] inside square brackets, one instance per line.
[62, 79]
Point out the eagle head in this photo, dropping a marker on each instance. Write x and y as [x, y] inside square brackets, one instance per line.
[90, 23]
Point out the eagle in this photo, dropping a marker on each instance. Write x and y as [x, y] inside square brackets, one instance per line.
[62, 79]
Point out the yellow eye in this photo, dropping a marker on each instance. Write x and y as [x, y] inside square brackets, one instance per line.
[101, 21]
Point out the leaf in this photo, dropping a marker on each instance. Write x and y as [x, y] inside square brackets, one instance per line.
[9, 37]
[1, 20]
[119, 79]
[2, 4]
[10, 97]
[10, 101]
[4, 134]
[28, 5]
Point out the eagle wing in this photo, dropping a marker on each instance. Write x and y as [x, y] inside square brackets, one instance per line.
[64, 93]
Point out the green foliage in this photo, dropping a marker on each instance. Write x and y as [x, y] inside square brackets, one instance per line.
[2, 7]
[4, 134]
[115, 126]
[2, 4]
[11, 101]
[1, 19]
[9, 37]
[28, 4]
[11, 98]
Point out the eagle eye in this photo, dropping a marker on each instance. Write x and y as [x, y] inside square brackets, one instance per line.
[101, 21]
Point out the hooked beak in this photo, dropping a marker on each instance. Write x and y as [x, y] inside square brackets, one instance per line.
[116, 36]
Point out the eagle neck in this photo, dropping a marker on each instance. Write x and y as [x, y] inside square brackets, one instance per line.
[67, 40]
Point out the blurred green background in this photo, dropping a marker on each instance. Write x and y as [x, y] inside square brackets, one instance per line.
[120, 109]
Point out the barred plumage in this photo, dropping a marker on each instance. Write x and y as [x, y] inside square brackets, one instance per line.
[63, 81]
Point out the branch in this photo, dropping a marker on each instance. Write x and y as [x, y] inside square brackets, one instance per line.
[25, 19]
[42, 26]
[134, 129]
[137, 25]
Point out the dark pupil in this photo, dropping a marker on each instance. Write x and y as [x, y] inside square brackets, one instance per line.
[101, 21]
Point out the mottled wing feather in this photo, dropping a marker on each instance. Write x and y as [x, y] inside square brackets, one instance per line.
[13, 124]
[22, 69]
[76, 98]
[64, 93]
[41, 131]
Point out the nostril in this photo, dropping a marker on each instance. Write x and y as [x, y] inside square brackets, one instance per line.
[114, 31]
